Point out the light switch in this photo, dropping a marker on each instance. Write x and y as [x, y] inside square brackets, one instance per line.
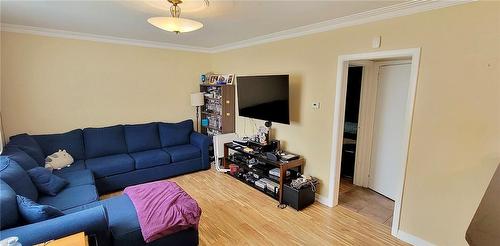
[376, 42]
[315, 105]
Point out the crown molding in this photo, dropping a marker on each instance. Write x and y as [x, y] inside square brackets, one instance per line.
[98, 38]
[397, 10]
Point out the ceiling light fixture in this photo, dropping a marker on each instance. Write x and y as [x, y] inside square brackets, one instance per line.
[175, 23]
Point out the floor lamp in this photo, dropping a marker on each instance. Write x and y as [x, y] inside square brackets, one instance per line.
[197, 100]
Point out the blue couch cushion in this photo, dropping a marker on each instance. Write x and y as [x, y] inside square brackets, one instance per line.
[172, 134]
[8, 204]
[71, 141]
[14, 175]
[21, 157]
[71, 197]
[28, 144]
[76, 166]
[183, 152]
[33, 212]
[142, 137]
[150, 158]
[78, 177]
[46, 182]
[110, 165]
[122, 217]
[104, 141]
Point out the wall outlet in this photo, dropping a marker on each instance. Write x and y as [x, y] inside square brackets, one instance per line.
[315, 105]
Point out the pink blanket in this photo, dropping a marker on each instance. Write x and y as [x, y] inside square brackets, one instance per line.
[163, 208]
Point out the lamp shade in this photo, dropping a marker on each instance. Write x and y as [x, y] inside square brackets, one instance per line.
[197, 99]
[175, 24]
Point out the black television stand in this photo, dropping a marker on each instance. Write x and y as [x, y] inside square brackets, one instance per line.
[261, 157]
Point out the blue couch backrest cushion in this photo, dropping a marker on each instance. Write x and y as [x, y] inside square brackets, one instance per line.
[21, 157]
[46, 182]
[172, 134]
[28, 144]
[142, 137]
[33, 212]
[104, 141]
[14, 175]
[71, 141]
[8, 205]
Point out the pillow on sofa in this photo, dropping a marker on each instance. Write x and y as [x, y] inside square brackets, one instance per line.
[175, 133]
[58, 160]
[21, 157]
[28, 144]
[71, 141]
[46, 182]
[104, 141]
[18, 179]
[142, 137]
[33, 212]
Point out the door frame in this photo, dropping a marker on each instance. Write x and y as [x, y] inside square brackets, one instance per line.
[412, 54]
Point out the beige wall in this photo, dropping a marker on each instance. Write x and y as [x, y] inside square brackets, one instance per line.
[53, 84]
[455, 140]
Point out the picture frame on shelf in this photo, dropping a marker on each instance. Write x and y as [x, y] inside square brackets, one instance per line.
[213, 79]
[224, 79]
[230, 79]
[221, 80]
[218, 79]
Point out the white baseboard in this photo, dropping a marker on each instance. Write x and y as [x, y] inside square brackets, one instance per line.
[323, 200]
[412, 239]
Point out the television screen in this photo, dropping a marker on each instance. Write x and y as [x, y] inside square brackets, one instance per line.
[264, 97]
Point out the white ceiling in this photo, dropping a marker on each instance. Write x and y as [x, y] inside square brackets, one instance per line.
[225, 21]
[228, 24]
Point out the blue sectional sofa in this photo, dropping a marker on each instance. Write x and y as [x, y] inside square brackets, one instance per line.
[105, 159]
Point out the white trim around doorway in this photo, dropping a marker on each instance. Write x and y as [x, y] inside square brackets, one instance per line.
[338, 120]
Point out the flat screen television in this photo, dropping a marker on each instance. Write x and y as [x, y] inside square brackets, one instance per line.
[264, 97]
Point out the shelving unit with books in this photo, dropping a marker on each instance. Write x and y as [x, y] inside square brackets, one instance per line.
[217, 115]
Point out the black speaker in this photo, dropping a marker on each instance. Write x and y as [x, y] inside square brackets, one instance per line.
[298, 198]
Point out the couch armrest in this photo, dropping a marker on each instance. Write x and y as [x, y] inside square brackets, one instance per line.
[201, 141]
[93, 221]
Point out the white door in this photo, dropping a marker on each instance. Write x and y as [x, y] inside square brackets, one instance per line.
[387, 142]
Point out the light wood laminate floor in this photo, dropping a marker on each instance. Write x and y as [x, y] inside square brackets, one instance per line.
[236, 214]
[366, 202]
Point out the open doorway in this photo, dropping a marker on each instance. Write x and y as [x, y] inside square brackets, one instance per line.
[389, 90]
[380, 135]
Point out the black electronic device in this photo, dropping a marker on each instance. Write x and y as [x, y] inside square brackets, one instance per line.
[264, 97]
[288, 156]
[298, 198]
[272, 156]
[273, 145]
[241, 142]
